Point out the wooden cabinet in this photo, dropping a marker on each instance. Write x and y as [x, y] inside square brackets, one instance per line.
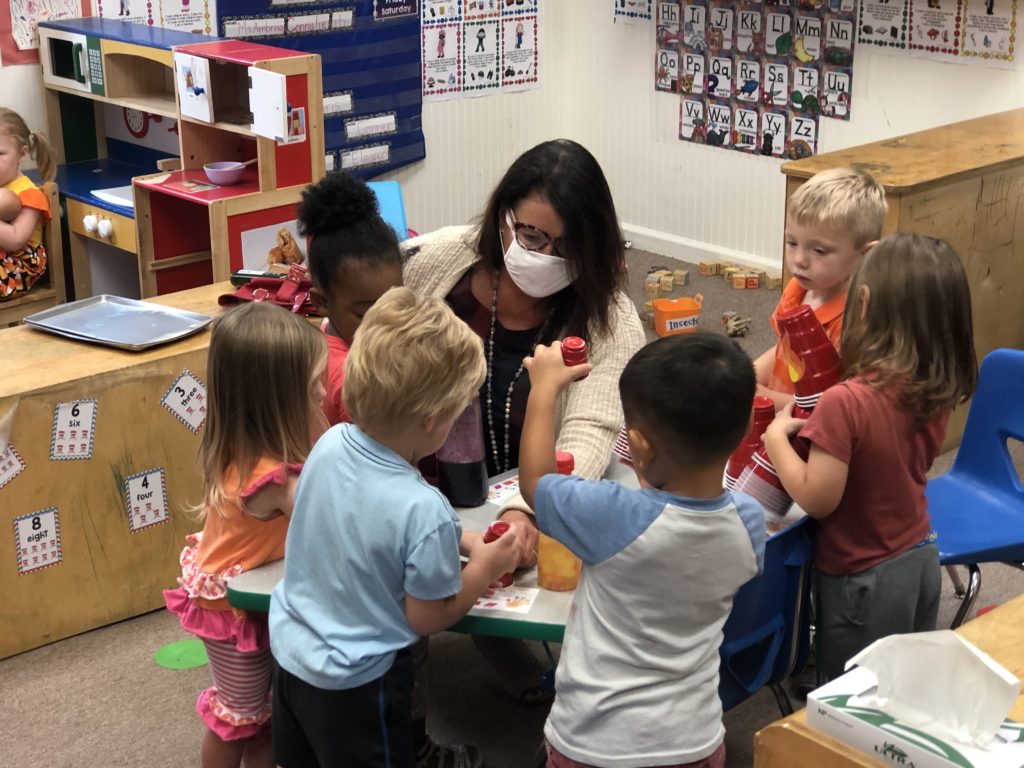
[962, 182]
[109, 568]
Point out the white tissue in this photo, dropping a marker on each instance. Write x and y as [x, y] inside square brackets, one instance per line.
[940, 683]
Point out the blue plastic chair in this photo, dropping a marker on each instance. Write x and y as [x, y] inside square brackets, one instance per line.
[767, 636]
[977, 507]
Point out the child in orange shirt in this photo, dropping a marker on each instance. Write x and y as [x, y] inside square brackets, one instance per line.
[24, 208]
[832, 220]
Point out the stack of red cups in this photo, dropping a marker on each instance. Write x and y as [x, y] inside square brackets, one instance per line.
[764, 412]
[814, 367]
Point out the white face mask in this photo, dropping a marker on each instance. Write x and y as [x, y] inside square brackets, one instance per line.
[536, 274]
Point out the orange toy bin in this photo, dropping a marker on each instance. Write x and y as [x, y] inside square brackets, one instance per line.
[672, 316]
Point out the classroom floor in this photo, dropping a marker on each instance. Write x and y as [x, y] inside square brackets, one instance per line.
[99, 698]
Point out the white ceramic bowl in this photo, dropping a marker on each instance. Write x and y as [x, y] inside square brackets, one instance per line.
[225, 172]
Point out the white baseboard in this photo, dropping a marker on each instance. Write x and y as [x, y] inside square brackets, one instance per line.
[693, 251]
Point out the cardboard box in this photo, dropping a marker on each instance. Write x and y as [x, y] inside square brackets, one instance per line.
[881, 736]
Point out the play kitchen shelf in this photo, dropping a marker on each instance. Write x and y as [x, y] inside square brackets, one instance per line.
[233, 101]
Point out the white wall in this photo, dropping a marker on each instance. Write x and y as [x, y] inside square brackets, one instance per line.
[673, 197]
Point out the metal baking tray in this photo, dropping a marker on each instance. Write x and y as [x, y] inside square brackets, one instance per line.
[119, 322]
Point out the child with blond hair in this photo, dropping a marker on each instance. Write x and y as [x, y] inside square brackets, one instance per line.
[24, 209]
[832, 220]
[255, 439]
[908, 359]
[372, 559]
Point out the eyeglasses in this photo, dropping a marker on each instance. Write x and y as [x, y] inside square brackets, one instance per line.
[533, 239]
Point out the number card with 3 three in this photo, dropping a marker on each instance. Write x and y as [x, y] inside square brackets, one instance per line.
[74, 426]
[37, 538]
[186, 399]
[147, 499]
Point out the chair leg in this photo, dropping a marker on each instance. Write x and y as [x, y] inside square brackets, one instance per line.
[958, 585]
[782, 699]
[973, 588]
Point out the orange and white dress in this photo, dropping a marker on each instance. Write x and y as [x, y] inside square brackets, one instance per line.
[237, 706]
[19, 270]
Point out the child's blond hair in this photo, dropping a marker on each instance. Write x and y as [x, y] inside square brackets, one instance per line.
[262, 369]
[411, 358]
[844, 199]
[39, 148]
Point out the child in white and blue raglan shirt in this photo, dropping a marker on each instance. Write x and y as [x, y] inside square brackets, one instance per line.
[660, 564]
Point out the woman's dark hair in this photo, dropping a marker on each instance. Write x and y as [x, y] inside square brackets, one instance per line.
[340, 214]
[569, 178]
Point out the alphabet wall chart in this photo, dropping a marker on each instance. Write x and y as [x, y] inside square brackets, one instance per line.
[756, 76]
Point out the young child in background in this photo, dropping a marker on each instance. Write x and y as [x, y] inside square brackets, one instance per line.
[353, 260]
[24, 208]
[908, 358]
[372, 558]
[637, 681]
[265, 373]
[832, 220]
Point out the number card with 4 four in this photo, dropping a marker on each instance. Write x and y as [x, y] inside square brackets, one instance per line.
[186, 399]
[37, 538]
[147, 499]
[74, 426]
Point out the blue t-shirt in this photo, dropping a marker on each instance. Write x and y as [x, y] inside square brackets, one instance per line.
[638, 674]
[366, 531]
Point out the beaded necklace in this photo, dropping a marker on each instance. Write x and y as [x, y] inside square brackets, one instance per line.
[490, 376]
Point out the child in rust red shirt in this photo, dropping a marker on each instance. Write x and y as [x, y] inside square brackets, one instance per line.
[908, 358]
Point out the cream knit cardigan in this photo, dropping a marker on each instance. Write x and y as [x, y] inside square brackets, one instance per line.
[589, 413]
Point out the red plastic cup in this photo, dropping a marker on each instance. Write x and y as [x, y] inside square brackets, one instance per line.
[494, 531]
[574, 352]
[565, 462]
[764, 412]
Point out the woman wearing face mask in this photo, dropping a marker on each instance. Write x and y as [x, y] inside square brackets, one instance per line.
[545, 262]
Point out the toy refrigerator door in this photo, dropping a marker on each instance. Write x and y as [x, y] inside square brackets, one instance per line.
[193, 76]
[268, 103]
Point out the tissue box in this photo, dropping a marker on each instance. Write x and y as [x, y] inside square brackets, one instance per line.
[887, 739]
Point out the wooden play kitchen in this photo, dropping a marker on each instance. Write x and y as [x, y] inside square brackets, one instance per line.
[99, 477]
[210, 87]
[963, 183]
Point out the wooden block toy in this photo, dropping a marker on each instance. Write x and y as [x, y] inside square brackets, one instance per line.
[774, 282]
[652, 291]
[753, 281]
[665, 283]
[761, 275]
[728, 273]
[707, 268]
[739, 281]
[681, 278]
[648, 307]
[650, 277]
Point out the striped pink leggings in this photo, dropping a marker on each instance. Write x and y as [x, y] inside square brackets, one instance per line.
[240, 695]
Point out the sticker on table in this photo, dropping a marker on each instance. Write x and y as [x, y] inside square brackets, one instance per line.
[505, 599]
[37, 538]
[11, 465]
[501, 492]
[147, 499]
[186, 399]
[73, 428]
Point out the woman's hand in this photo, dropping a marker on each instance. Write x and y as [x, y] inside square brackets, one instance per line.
[547, 369]
[783, 426]
[528, 535]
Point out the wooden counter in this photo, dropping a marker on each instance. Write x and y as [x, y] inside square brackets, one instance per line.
[107, 571]
[791, 743]
[962, 182]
